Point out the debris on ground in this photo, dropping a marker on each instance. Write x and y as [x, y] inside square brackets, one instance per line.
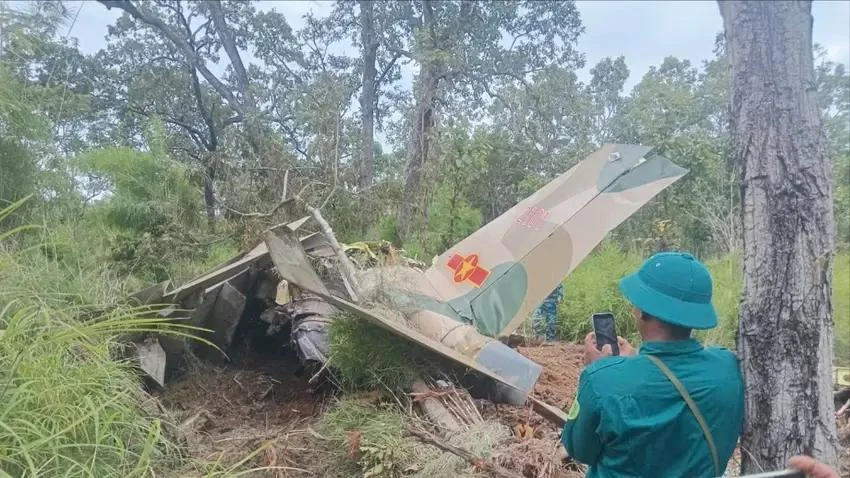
[257, 401]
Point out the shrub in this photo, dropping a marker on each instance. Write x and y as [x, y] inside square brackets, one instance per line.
[369, 357]
[592, 287]
[68, 405]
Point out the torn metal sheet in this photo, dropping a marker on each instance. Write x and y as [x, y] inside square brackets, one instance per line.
[301, 308]
[225, 315]
[216, 276]
[292, 264]
[151, 295]
[152, 359]
[235, 266]
[310, 339]
[205, 307]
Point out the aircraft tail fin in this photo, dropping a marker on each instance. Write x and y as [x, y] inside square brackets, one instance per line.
[499, 274]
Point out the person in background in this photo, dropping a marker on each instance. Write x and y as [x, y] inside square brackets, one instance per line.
[671, 408]
[547, 313]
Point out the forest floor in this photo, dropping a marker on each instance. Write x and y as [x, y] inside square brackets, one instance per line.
[256, 412]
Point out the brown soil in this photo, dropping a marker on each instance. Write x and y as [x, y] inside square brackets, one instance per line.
[224, 413]
[540, 454]
[562, 364]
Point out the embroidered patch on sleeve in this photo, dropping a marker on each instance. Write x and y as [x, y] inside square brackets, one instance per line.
[573, 410]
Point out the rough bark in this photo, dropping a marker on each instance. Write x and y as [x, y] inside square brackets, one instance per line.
[420, 132]
[785, 336]
[368, 90]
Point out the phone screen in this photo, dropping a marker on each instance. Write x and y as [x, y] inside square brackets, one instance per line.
[606, 333]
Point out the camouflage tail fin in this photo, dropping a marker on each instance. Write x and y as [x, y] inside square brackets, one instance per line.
[498, 275]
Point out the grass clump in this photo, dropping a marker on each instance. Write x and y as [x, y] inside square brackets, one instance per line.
[68, 406]
[366, 439]
[369, 357]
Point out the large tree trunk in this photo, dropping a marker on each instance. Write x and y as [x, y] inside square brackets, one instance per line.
[786, 330]
[367, 93]
[419, 150]
[421, 128]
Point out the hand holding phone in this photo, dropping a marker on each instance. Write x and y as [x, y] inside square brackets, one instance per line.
[605, 330]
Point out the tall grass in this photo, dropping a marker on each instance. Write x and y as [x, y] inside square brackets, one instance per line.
[592, 287]
[69, 405]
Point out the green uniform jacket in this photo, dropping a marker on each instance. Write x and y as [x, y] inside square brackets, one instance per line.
[628, 420]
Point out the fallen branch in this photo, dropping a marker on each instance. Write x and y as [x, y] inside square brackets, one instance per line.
[260, 215]
[480, 463]
[346, 268]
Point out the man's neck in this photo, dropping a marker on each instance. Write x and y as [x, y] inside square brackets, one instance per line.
[654, 336]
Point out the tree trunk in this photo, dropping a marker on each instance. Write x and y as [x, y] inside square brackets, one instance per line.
[367, 94]
[209, 196]
[785, 336]
[420, 132]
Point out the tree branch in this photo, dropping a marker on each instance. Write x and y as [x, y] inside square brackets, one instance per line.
[386, 71]
[229, 44]
[191, 56]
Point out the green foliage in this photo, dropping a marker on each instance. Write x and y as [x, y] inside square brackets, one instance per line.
[151, 210]
[19, 171]
[369, 357]
[377, 432]
[68, 405]
[592, 287]
[451, 219]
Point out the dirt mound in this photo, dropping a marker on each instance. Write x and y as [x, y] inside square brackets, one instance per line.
[562, 364]
[535, 450]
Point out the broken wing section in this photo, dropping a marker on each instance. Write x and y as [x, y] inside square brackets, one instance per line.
[556, 257]
[499, 274]
[493, 359]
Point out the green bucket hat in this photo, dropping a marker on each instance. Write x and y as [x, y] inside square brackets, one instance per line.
[673, 287]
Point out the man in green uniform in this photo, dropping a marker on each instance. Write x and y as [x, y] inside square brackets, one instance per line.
[629, 419]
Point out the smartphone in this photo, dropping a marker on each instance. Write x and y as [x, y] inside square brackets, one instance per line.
[606, 332]
[778, 474]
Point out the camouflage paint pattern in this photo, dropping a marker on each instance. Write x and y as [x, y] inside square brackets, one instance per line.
[488, 284]
[524, 253]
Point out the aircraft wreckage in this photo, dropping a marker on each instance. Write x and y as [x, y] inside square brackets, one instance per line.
[471, 297]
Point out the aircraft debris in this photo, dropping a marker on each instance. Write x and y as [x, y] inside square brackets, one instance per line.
[151, 357]
[471, 298]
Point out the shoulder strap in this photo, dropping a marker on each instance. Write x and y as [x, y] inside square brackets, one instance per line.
[693, 406]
